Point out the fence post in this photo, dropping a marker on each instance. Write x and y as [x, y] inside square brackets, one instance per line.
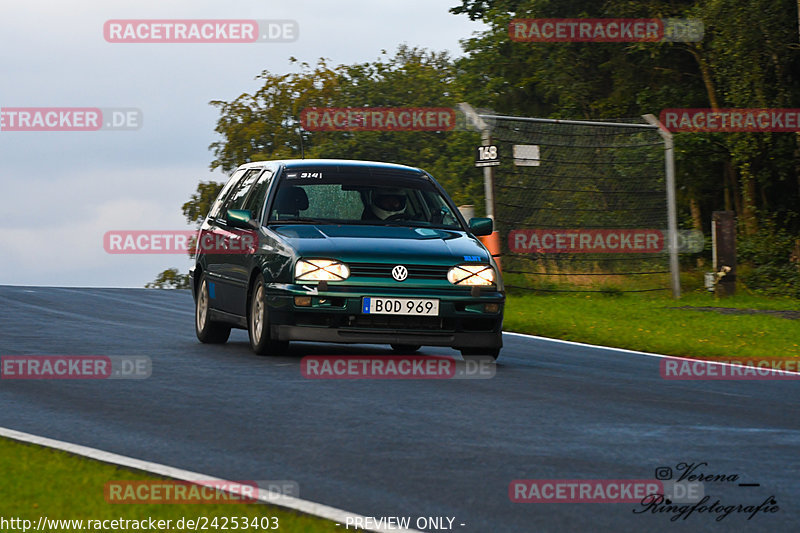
[486, 140]
[672, 212]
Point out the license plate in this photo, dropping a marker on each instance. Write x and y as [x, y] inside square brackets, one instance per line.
[400, 306]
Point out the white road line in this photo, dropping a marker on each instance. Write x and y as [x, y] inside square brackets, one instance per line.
[634, 352]
[289, 502]
[585, 345]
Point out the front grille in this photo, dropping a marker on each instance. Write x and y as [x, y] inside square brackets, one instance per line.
[379, 322]
[396, 322]
[384, 270]
[400, 322]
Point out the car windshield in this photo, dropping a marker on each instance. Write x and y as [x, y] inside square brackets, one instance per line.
[319, 196]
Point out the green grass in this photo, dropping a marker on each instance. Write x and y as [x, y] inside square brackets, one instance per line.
[645, 322]
[41, 481]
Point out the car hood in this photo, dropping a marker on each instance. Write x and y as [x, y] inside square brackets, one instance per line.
[371, 244]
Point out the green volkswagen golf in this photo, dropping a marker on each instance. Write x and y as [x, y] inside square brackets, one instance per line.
[346, 252]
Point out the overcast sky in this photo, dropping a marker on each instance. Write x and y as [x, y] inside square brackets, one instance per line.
[63, 190]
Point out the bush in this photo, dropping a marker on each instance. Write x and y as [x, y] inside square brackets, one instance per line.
[770, 263]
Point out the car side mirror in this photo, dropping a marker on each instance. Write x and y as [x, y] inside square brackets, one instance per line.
[240, 218]
[481, 226]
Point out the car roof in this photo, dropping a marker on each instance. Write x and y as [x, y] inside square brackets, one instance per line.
[339, 163]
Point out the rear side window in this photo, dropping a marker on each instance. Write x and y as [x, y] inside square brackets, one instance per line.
[255, 200]
[225, 193]
[240, 193]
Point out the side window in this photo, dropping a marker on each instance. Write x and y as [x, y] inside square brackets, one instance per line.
[255, 201]
[225, 193]
[440, 213]
[240, 193]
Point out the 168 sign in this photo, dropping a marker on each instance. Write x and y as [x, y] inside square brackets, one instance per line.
[487, 156]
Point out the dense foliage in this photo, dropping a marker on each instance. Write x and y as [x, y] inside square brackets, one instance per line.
[749, 58]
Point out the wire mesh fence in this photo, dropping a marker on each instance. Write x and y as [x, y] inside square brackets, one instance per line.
[580, 206]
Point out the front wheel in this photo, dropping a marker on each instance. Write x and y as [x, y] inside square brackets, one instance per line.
[258, 324]
[208, 331]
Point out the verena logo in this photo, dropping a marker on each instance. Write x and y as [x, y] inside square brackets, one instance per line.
[610, 30]
[200, 31]
[583, 490]
[180, 242]
[378, 119]
[744, 369]
[395, 367]
[75, 367]
[69, 118]
[729, 120]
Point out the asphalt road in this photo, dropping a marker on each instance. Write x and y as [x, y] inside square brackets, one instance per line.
[402, 448]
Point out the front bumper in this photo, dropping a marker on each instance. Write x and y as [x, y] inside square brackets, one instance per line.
[336, 316]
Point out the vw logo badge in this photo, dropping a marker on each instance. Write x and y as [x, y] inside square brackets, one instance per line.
[399, 273]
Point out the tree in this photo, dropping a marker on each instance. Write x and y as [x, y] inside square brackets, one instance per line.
[169, 279]
[265, 125]
[749, 57]
[195, 211]
[198, 206]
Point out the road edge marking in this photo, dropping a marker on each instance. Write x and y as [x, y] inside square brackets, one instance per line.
[587, 345]
[634, 352]
[333, 514]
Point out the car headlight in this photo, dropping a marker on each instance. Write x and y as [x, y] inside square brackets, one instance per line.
[471, 275]
[320, 270]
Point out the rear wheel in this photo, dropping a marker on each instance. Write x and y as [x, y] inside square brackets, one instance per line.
[208, 331]
[406, 348]
[258, 324]
[477, 353]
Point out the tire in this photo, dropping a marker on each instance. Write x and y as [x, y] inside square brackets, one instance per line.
[406, 348]
[258, 323]
[477, 353]
[208, 331]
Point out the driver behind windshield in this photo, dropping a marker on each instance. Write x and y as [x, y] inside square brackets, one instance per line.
[384, 204]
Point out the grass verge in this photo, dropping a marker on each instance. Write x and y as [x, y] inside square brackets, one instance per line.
[652, 323]
[42, 482]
